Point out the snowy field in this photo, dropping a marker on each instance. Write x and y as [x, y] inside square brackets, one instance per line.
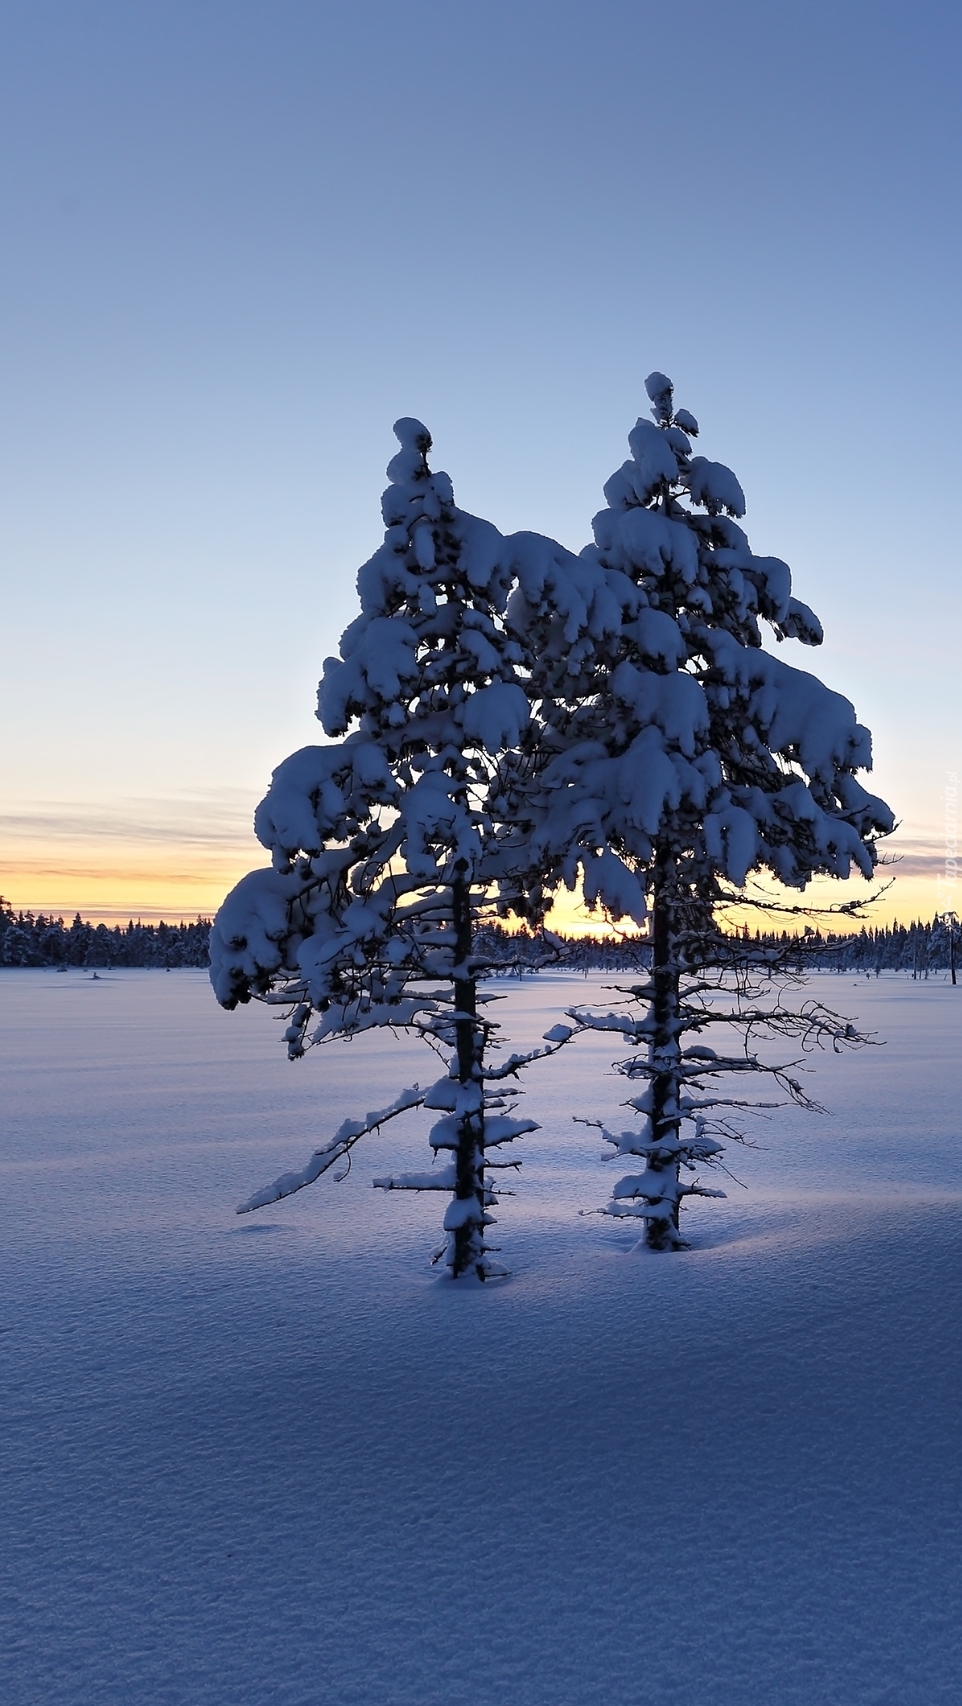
[276, 1459]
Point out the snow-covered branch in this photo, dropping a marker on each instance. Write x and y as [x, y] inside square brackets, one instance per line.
[341, 1144]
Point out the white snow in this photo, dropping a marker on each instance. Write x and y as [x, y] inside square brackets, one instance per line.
[715, 487]
[234, 1449]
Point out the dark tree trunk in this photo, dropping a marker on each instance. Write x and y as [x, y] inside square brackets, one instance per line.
[664, 1056]
[469, 1189]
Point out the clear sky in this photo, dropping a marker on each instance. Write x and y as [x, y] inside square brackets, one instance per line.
[238, 240]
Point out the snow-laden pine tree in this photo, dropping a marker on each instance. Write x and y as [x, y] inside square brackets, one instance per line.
[392, 843]
[700, 757]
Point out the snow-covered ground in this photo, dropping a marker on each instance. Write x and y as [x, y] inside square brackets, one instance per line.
[276, 1459]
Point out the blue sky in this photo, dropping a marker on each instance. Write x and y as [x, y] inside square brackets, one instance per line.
[240, 239]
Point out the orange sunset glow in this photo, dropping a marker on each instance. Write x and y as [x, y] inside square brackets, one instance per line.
[112, 876]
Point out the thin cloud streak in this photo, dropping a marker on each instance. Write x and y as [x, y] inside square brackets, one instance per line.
[914, 856]
[196, 822]
[106, 874]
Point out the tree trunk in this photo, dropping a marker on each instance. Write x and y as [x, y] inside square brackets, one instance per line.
[664, 1056]
[466, 1222]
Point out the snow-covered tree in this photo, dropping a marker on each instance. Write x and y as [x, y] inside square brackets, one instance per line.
[702, 757]
[392, 843]
[505, 718]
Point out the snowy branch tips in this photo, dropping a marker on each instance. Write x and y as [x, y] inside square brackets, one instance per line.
[505, 718]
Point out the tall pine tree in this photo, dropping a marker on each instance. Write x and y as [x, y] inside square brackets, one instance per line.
[705, 758]
[390, 845]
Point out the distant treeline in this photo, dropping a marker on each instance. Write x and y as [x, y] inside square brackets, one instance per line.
[915, 949]
[29, 939]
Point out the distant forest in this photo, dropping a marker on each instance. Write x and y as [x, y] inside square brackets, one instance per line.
[33, 939]
[913, 949]
[28, 939]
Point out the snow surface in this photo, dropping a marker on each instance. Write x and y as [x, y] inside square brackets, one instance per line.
[276, 1459]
